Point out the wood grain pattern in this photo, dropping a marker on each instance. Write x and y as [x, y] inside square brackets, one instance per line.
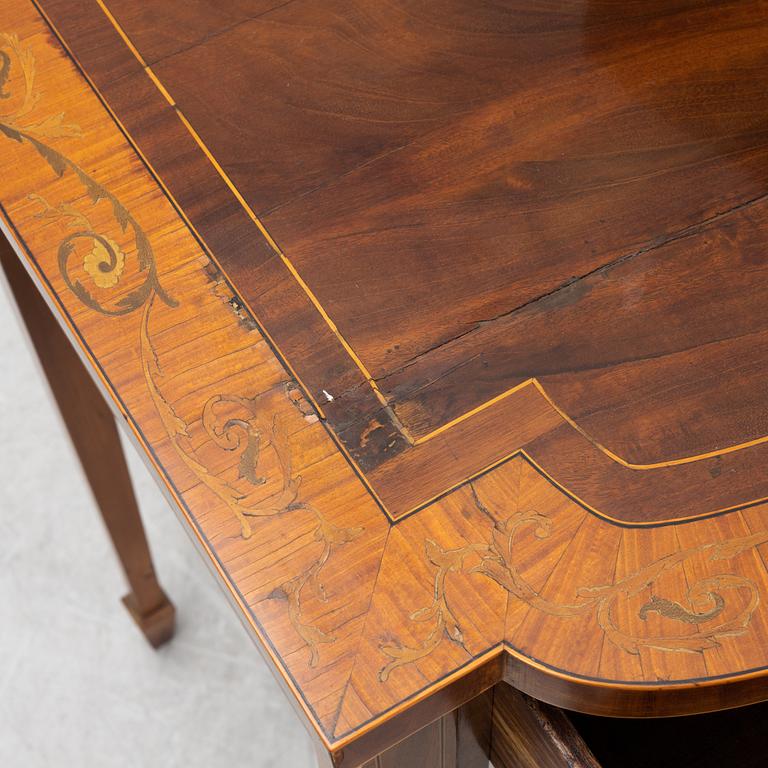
[527, 734]
[168, 28]
[460, 739]
[615, 50]
[632, 285]
[220, 220]
[378, 627]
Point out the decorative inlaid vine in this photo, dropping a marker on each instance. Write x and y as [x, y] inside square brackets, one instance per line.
[251, 433]
[104, 261]
[496, 560]
[230, 422]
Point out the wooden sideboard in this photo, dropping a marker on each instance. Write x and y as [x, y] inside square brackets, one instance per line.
[441, 325]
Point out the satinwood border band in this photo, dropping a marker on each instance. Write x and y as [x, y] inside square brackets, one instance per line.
[540, 674]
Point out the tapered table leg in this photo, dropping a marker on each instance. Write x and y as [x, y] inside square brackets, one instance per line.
[94, 434]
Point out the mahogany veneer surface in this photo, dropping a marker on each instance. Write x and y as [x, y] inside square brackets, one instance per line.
[442, 322]
[478, 193]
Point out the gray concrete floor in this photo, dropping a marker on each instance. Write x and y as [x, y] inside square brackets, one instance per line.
[79, 686]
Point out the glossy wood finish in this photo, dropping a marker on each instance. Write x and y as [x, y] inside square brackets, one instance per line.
[389, 579]
[593, 75]
[170, 27]
[94, 435]
[555, 320]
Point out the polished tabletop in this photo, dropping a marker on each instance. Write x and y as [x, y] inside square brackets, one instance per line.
[441, 322]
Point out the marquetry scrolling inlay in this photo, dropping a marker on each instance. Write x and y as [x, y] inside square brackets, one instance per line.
[239, 424]
[496, 559]
[101, 260]
[361, 613]
[232, 422]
